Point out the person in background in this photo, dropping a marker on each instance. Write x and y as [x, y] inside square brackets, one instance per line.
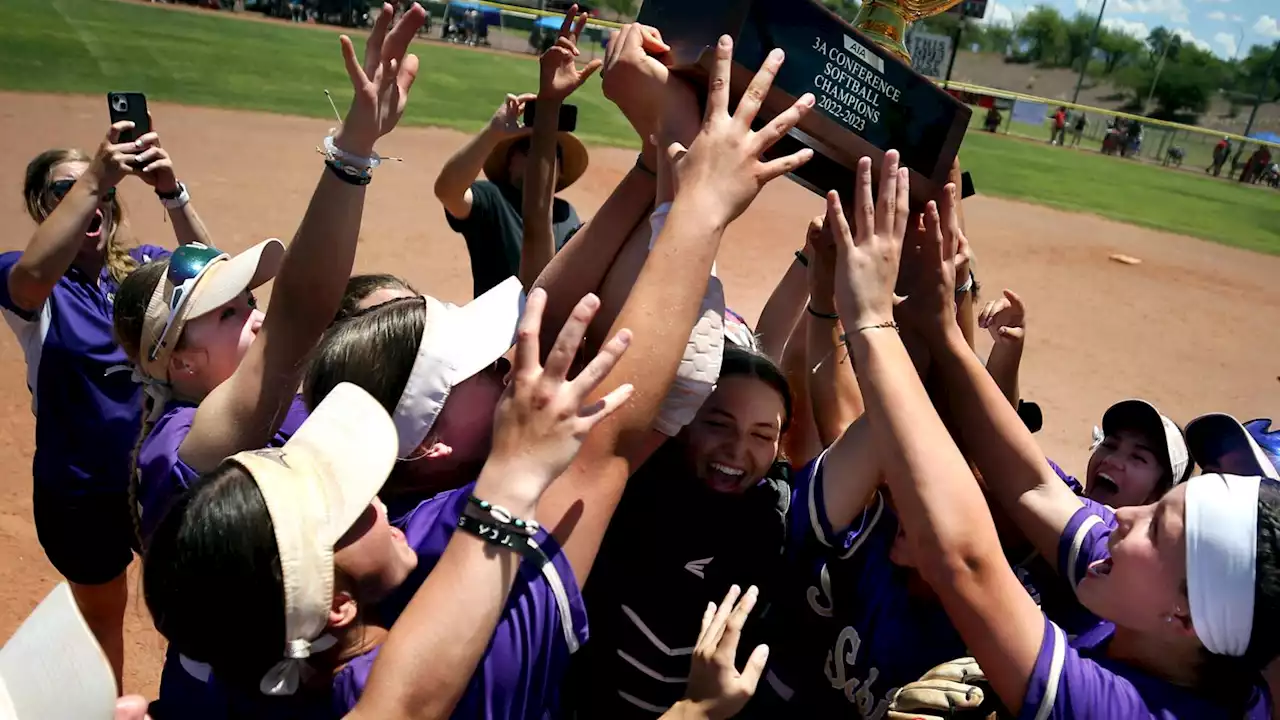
[1058, 135]
[1221, 152]
[489, 213]
[1078, 130]
[57, 296]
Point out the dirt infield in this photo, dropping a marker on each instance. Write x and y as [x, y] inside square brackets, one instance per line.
[1190, 328]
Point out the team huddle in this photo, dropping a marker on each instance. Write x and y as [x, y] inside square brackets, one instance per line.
[595, 491]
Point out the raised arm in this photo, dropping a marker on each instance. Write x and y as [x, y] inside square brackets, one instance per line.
[940, 505]
[433, 650]
[716, 179]
[1006, 320]
[246, 410]
[60, 237]
[559, 77]
[453, 186]
[833, 387]
[155, 167]
[583, 263]
[785, 305]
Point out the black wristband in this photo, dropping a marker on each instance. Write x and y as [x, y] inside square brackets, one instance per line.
[177, 193]
[346, 177]
[640, 164]
[824, 316]
[802, 259]
[494, 534]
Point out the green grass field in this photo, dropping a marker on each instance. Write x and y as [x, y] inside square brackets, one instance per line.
[92, 46]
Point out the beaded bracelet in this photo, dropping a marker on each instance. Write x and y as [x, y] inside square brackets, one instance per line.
[349, 173]
[503, 537]
[502, 516]
[333, 152]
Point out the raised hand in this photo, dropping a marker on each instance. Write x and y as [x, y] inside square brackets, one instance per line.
[868, 258]
[382, 82]
[1005, 318]
[721, 171]
[153, 165]
[560, 75]
[542, 418]
[506, 119]
[929, 283]
[633, 75]
[716, 688]
[113, 160]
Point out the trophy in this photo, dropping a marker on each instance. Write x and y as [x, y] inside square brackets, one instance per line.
[868, 100]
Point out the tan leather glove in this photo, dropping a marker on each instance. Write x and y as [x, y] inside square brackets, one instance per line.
[954, 690]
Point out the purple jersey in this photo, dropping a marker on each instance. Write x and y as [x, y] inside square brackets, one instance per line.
[543, 623]
[163, 474]
[1074, 679]
[850, 626]
[87, 415]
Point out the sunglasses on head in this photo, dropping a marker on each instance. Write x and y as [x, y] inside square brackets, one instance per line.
[186, 265]
[59, 189]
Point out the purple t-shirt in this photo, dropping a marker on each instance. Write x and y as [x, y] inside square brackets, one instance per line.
[1074, 679]
[163, 474]
[848, 630]
[87, 418]
[543, 623]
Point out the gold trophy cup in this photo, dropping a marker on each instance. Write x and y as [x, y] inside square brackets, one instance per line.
[885, 21]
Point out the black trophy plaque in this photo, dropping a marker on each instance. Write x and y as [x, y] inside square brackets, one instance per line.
[867, 100]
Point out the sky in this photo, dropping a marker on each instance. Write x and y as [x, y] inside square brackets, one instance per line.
[1223, 27]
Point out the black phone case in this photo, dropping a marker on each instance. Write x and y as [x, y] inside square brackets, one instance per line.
[131, 106]
[568, 116]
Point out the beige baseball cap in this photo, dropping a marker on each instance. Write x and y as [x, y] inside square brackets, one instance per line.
[200, 279]
[53, 668]
[1172, 447]
[315, 488]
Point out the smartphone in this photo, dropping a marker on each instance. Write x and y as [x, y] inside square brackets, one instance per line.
[966, 188]
[568, 116]
[130, 106]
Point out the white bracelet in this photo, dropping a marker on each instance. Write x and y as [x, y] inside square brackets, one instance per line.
[967, 286]
[332, 151]
[179, 202]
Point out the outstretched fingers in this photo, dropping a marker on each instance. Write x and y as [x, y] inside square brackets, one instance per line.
[566, 25]
[753, 97]
[718, 88]
[863, 203]
[886, 202]
[567, 342]
[527, 348]
[377, 36]
[595, 372]
[354, 70]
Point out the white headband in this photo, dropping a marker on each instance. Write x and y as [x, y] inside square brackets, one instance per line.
[1221, 525]
[430, 381]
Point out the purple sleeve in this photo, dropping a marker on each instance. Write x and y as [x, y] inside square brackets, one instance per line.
[1071, 482]
[144, 254]
[1084, 540]
[809, 526]
[162, 474]
[543, 623]
[1066, 686]
[7, 261]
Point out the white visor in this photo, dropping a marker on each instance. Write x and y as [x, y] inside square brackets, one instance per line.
[457, 342]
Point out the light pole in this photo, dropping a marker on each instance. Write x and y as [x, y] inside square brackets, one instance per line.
[1146, 106]
[1088, 53]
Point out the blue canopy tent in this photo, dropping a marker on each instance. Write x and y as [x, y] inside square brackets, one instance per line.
[1266, 137]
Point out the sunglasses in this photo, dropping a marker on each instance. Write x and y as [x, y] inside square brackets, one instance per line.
[58, 189]
[186, 265]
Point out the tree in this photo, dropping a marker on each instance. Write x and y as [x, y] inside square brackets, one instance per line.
[1079, 33]
[1158, 39]
[1118, 49]
[1046, 32]
[1252, 73]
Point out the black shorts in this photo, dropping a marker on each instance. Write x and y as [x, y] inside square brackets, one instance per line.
[89, 539]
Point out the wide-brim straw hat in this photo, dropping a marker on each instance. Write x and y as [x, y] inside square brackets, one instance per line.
[573, 158]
